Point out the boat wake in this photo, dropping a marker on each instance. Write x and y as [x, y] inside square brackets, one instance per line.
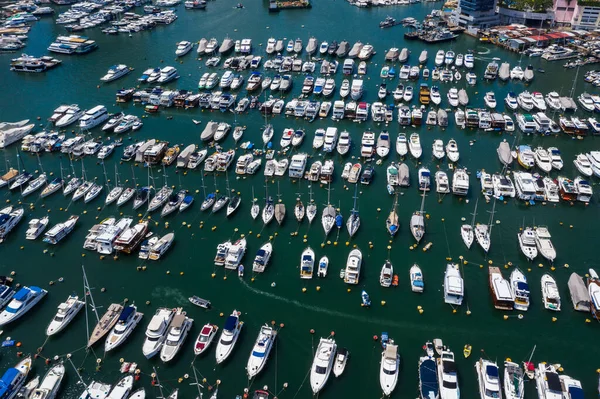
[172, 294]
[487, 51]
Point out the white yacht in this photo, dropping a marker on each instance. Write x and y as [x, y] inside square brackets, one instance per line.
[356, 90]
[441, 182]
[93, 117]
[156, 332]
[488, 375]
[550, 293]
[122, 389]
[167, 74]
[330, 139]
[9, 218]
[307, 263]
[128, 320]
[73, 114]
[260, 352]
[236, 252]
[460, 182]
[183, 48]
[322, 364]
[453, 285]
[108, 236]
[542, 159]
[544, 244]
[447, 375]
[229, 336]
[520, 289]
[115, 72]
[583, 165]
[50, 384]
[178, 330]
[389, 368]
[414, 145]
[262, 258]
[527, 243]
[66, 312]
[556, 158]
[547, 382]
[452, 151]
[353, 265]
[24, 299]
[297, 166]
[438, 149]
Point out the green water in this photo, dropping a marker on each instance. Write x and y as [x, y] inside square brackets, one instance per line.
[568, 341]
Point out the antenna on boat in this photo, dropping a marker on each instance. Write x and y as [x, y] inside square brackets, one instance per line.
[165, 174]
[490, 225]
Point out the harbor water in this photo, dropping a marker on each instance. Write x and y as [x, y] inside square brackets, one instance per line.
[327, 305]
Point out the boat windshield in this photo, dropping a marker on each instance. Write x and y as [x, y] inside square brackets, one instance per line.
[449, 384]
[320, 369]
[491, 394]
[389, 371]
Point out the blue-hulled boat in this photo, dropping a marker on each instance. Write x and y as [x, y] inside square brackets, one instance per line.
[13, 379]
[428, 383]
[24, 299]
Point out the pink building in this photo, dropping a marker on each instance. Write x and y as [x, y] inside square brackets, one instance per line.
[563, 11]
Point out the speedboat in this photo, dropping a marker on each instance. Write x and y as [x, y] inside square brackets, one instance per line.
[229, 336]
[66, 312]
[205, 338]
[386, 274]
[520, 289]
[414, 145]
[25, 299]
[490, 99]
[128, 320]
[341, 358]
[156, 332]
[447, 375]
[307, 263]
[527, 243]
[417, 284]
[260, 352]
[550, 293]
[177, 333]
[453, 285]
[322, 364]
[50, 384]
[388, 371]
[489, 379]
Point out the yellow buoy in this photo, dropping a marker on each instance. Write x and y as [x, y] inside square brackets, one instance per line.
[304, 289]
[554, 319]
[505, 317]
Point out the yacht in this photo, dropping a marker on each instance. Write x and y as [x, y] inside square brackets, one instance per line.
[229, 336]
[414, 145]
[525, 156]
[544, 244]
[525, 101]
[93, 117]
[96, 390]
[547, 382]
[386, 275]
[9, 218]
[115, 72]
[550, 293]
[105, 324]
[307, 263]
[260, 352]
[66, 312]
[542, 159]
[453, 285]
[126, 323]
[50, 384]
[344, 143]
[60, 230]
[23, 300]
[441, 182]
[490, 99]
[122, 389]
[13, 378]
[167, 74]
[36, 227]
[107, 237]
[322, 364]
[527, 243]
[583, 165]
[488, 375]
[438, 149]
[183, 48]
[356, 90]
[447, 375]
[73, 114]
[511, 101]
[262, 258]
[389, 368]
[177, 333]
[520, 290]
[525, 185]
[205, 338]
[156, 332]
[353, 266]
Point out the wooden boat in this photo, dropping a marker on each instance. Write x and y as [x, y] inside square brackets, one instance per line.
[105, 324]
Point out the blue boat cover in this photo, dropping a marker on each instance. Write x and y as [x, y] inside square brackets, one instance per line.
[126, 313]
[521, 286]
[576, 392]
[230, 323]
[258, 354]
[428, 376]
[261, 253]
[8, 343]
[22, 294]
[188, 199]
[6, 381]
[3, 217]
[418, 283]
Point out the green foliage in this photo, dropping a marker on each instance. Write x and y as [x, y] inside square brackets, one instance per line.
[534, 5]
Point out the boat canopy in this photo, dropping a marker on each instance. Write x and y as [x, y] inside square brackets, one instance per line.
[126, 313]
[449, 367]
[491, 370]
[553, 382]
[428, 376]
[6, 381]
[522, 286]
[575, 393]
[579, 293]
[22, 294]
[391, 351]
[230, 323]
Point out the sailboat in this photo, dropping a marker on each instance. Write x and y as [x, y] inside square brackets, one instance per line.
[161, 196]
[311, 208]
[209, 199]
[467, 230]
[255, 209]
[234, 202]
[279, 208]
[483, 232]
[417, 222]
[55, 185]
[128, 192]
[36, 183]
[115, 193]
[353, 222]
[299, 210]
[74, 183]
[328, 216]
[142, 194]
[269, 209]
[223, 199]
[392, 225]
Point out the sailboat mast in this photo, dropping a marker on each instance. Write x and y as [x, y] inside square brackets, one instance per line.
[490, 225]
[162, 396]
[197, 383]
[87, 291]
[474, 213]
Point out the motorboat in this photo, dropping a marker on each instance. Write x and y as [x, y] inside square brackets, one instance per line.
[36, 227]
[156, 332]
[488, 376]
[23, 300]
[447, 374]
[389, 368]
[122, 389]
[386, 275]
[453, 285]
[417, 283]
[49, 385]
[60, 230]
[542, 159]
[583, 165]
[205, 338]
[229, 336]
[414, 145]
[115, 72]
[441, 182]
[126, 323]
[322, 364]
[550, 293]
[307, 263]
[438, 149]
[66, 312]
[261, 350]
[176, 335]
[548, 383]
[14, 378]
[511, 101]
[527, 243]
[353, 266]
[520, 290]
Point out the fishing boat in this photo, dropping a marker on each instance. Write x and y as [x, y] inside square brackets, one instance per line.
[341, 359]
[520, 289]
[156, 332]
[260, 352]
[36, 227]
[550, 293]
[126, 323]
[447, 375]
[65, 314]
[389, 368]
[353, 265]
[205, 338]
[417, 283]
[229, 336]
[177, 333]
[307, 263]
[201, 303]
[22, 302]
[105, 324]
[453, 285]
[386, 274]
[322, 364]
[488, 376]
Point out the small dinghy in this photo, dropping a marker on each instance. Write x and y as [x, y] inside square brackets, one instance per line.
[366, 301]
[341, 358]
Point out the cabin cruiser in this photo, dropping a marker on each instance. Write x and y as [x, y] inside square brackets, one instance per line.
[447, 375]
[488, 375]
[14, 378]
[438, 149]
[441, 182]
[156, 332]
[322, 364]
[548, 382]
[167, 74]
[229, 336]
[525, 185]
[66, 312]
[527, 243]
[72, 115]
[60, 230]
[115, 72]
[177, 333]
[520, 289]
[128, 320]
[93, 117]
[525, 156]
[542, 159]
[511, 101]
[22, 301]
[260, 352]
[583, 165]
[550, 293]
[389, 368]
[460, 182]
[36, 227]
